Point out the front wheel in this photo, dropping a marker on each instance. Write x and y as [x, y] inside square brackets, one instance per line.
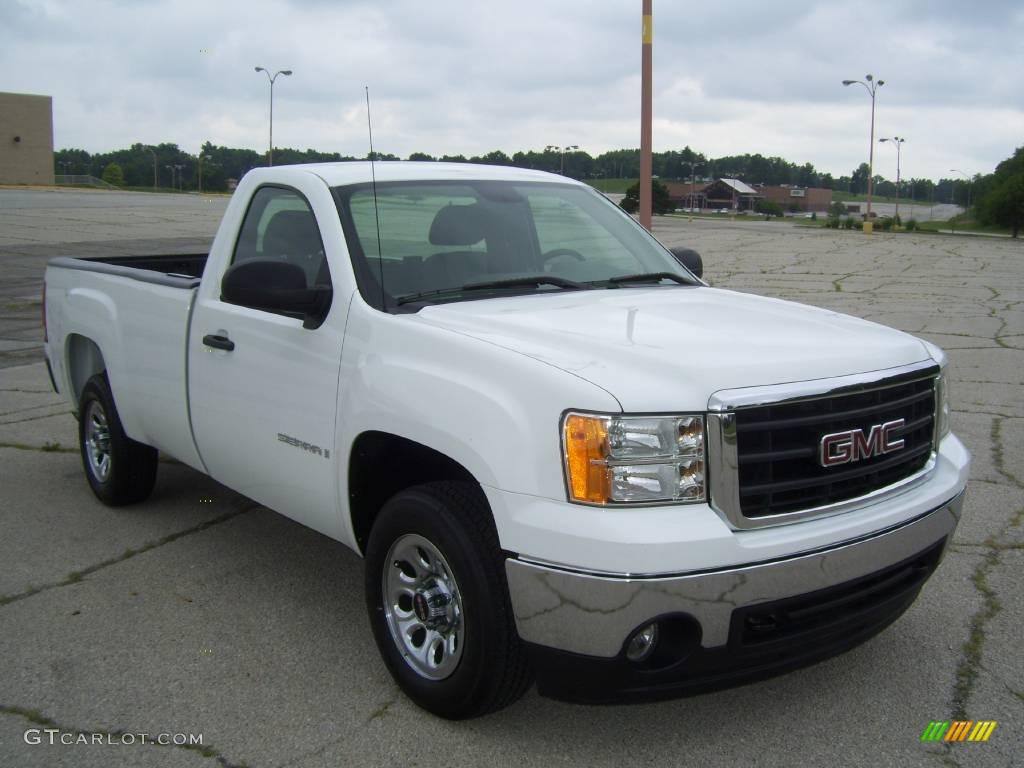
[438, 602]
[119, 470]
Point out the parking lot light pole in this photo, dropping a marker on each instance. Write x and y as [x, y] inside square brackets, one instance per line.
[969, 184]
[693, 183]
[201, 158]
[871, 86]
[171, 169]
[286, 73]
[561, 152]
[153, 153]
[898, 141]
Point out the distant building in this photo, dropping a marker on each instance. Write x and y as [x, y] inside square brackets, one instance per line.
[731, 194]
[735, 195]
[26, 139]
[802, 199]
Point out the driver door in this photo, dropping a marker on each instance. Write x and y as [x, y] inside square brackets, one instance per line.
[263, 411]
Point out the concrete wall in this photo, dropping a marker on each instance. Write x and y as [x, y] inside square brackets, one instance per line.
[26, 139]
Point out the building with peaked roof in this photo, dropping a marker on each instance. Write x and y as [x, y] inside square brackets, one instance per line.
[26, 139]
[735, 195]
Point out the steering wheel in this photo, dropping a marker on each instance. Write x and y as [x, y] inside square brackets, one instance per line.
[554, 254]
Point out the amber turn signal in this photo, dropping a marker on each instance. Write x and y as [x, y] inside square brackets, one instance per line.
[586, 454]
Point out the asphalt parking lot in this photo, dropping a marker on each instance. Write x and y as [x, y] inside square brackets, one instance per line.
[200, 612]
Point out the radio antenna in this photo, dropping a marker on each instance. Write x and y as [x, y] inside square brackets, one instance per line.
[376, 211]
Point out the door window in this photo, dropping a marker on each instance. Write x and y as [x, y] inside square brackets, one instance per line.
[280, 225]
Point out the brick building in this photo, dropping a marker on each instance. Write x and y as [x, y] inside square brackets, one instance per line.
[26, 139]
[802, 199]
[734, 195]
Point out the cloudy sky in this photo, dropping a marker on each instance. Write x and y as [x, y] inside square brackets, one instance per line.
[454, 76]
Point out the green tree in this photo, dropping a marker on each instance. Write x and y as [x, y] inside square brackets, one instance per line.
[1004, 205]
[661, 202]
[859, 180]
[768, 208]
[113, 174]
[836, 210]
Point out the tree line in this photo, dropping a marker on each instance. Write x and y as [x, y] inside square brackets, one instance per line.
[167, 166]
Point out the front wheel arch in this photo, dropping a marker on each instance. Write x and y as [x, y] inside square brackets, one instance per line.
[382, 464]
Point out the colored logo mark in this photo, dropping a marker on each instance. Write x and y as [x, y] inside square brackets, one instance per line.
[958, 730]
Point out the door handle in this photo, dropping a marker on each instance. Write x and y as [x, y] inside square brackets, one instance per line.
[218, 342]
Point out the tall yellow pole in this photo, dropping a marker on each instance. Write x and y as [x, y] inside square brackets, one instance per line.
[645, 116]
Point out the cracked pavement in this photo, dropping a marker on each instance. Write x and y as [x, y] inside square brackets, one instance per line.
[201, 612]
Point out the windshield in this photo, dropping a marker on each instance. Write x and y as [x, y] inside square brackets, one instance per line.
[442, 241]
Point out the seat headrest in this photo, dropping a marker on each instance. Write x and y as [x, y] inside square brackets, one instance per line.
[458, 225]
[291, 232]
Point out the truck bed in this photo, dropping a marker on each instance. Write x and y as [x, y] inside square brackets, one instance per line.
[176, 270]
[130, 316]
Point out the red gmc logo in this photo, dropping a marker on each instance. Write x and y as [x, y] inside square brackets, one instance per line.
[854, 445]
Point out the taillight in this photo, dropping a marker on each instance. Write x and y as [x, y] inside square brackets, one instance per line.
[45, 336]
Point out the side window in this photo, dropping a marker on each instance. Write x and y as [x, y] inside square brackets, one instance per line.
[280, 225]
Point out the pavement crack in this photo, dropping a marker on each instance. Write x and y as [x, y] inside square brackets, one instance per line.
[35, 418]
[381, 711]
[44, 448]
[997, 453]
[76, 576]
[970, 662]
[36, 717]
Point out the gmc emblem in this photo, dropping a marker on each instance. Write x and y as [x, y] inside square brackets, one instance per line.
[854, 445]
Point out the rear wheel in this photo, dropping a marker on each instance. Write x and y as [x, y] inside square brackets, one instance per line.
[438, 602]
[119, 470]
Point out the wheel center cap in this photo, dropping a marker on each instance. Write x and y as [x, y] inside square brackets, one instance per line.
[419, 604]
[431, 605]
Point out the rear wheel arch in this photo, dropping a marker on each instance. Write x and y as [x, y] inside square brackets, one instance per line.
[84, 360]
[382, 464]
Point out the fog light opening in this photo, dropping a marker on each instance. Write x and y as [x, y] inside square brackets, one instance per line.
[642, 644]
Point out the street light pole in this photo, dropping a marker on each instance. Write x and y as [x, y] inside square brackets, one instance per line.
[561, 152]
[286, 73]
[969, 184]
[692, 188]
[171, 168]
[898, 141]
[153, 153]
[201, 158]
[871, 86]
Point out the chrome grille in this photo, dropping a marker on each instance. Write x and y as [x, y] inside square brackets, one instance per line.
[772, 447]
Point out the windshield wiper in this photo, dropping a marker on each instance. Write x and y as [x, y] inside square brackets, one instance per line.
[649, 277]
[514, 282]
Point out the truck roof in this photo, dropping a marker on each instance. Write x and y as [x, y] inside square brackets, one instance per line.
[355, 172]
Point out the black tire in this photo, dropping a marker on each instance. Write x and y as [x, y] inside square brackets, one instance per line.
[491, 670]
[119, 470]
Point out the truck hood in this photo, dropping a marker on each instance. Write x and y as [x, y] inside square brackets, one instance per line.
[669, 348]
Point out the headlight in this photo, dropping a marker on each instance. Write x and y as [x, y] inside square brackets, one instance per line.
[941, 406]
[634, 459]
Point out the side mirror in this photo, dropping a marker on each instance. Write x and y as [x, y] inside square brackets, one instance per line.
[690, 259]
[276, 286]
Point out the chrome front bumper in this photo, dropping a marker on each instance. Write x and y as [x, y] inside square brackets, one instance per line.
[593, 615]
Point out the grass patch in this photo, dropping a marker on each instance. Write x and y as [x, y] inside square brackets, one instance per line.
[962, 223]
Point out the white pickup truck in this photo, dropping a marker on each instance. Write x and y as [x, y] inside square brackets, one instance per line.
[562, 455]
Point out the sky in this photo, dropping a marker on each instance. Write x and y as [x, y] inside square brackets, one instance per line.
[469, 77]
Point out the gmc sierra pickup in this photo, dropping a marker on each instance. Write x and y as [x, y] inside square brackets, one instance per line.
[562, 455]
